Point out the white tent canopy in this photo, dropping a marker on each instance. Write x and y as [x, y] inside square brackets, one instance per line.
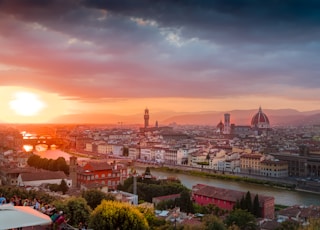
[21, 216]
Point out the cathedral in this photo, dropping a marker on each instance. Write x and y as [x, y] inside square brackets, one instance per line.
[259, 124]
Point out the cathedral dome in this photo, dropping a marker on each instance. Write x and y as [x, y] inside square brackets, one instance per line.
[260, 120]
[220, 126]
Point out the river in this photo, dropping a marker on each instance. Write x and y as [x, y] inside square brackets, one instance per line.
[282, 196]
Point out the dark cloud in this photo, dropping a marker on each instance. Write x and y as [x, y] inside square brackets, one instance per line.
[162, 48]
[227, 20]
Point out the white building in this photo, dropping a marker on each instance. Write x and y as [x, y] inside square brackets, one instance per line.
[36, 179]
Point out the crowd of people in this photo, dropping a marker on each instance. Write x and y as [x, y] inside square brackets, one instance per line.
[58, 218]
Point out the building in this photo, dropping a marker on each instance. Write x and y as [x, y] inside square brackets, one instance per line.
[260, 120]
[227, 198]
[36, 179]
[227, 123]
[274, 168]
[220, 127]
[158, 199]
[146, 118]
[102, 173]
[250, 163]
[300, 165]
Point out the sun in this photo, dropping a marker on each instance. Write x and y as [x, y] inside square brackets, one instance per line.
[26, 104]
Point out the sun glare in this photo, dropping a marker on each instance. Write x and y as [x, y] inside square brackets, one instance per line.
[26, 104]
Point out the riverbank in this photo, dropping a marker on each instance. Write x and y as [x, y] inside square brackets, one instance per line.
[289, 185]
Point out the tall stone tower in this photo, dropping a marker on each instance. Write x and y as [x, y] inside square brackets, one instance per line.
[227, 123]
[73, 171]
[146, 118]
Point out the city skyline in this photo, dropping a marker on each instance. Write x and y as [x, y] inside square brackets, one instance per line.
[118, 57]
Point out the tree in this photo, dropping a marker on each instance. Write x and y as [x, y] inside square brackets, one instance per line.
[248, 202]
[114, 215]
[208, 158]
[95, 196]
[242, 218]
[256, 206]
[213, 223]
[76, 208]
[63, 187]
[185, 203]
[150, 216]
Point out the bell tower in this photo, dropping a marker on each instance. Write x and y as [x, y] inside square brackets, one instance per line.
[226, 123]
[73, 171]
[146, 118]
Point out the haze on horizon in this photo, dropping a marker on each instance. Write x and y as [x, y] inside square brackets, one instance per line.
[119, 56]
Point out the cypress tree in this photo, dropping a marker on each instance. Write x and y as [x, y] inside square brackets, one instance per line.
[248, 202]
[256, 206]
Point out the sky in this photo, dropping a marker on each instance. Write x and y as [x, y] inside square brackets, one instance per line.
[63, 57]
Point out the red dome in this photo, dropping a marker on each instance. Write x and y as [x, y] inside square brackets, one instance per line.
[260, 120]
[220, 125]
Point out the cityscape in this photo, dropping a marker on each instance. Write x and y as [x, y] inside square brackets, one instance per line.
[159, 115]
[103, 156]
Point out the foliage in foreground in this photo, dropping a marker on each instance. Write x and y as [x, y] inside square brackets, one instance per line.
[114, 215]
[94, 197]
[241, 218]
[9, 191]
[76, 208]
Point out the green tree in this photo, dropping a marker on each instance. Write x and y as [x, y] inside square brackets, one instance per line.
[185, 202]
[150, 216]
[213, 223]
[76, 208]
[241, 218]
[166, 204]
[208, 158]
[95, 196]
[63, 187]
[248, 202]
[256, 206]
[114, 215]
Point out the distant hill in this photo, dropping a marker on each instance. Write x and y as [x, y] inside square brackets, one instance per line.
[238, 117]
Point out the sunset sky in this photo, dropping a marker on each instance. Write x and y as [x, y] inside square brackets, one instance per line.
[62, 57]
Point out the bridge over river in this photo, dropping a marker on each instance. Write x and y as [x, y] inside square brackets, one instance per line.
[282, 196]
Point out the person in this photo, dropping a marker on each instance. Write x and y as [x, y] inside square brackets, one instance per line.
[3, 200]
[61, 221]
[36, 204]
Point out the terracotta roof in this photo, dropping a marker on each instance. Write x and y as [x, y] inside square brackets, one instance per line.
[251, 156]
[97, 166]
[302, 211]
[220, 193]
[259, 117]
[43, 175]
[225, 194]
[172, 196]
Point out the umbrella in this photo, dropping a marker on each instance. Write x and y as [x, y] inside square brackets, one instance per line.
[21, 216]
